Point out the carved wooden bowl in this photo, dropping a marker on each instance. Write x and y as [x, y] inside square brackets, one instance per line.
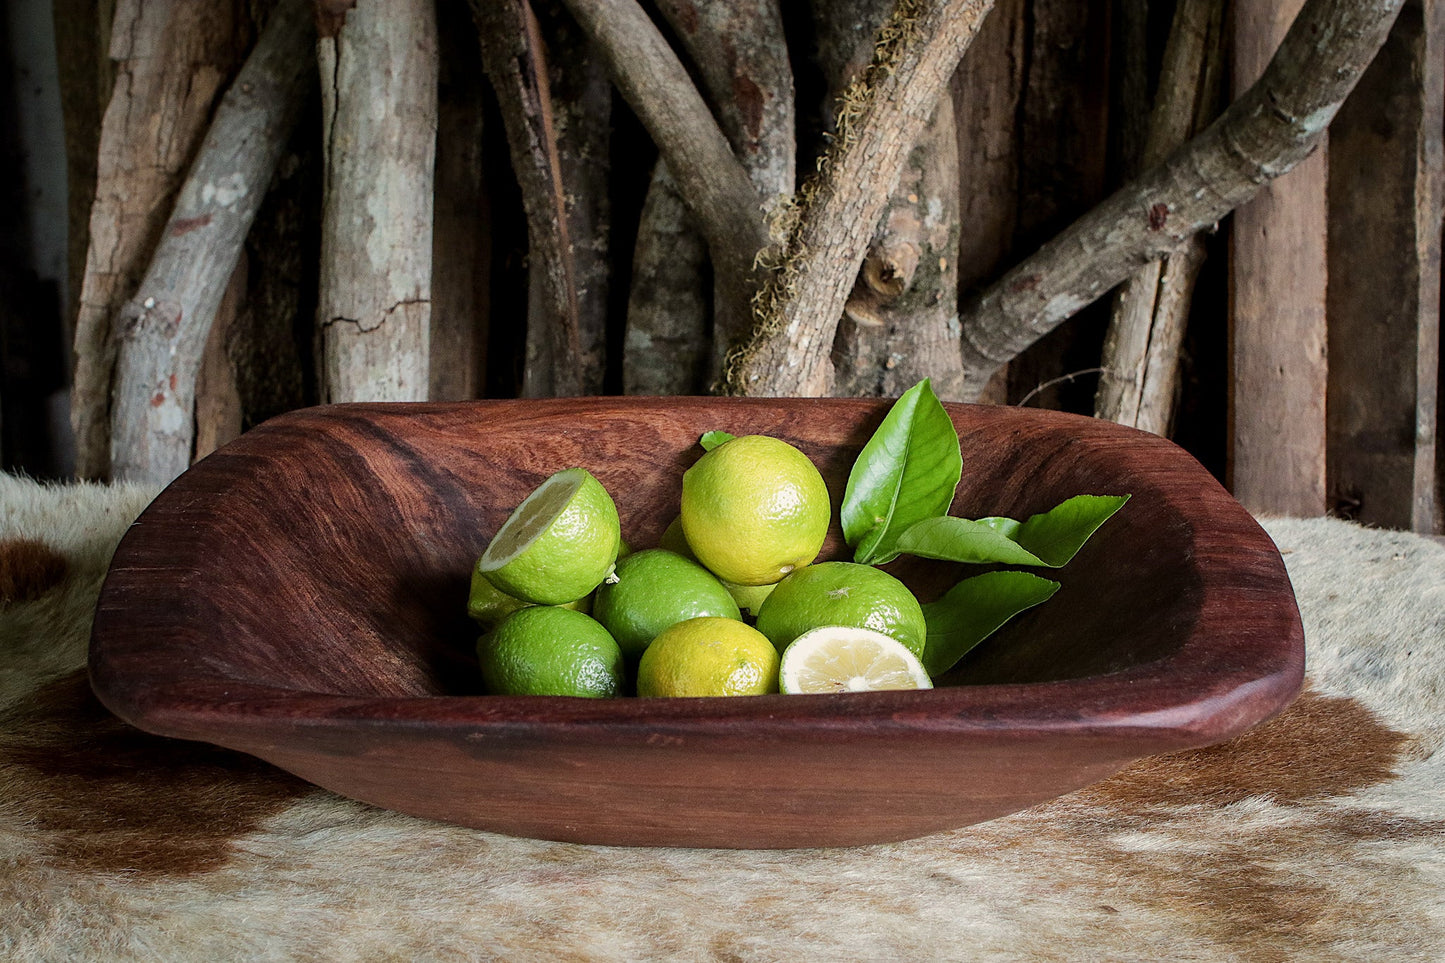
[300, 595]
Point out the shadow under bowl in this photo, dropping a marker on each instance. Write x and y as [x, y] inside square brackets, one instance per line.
[300, 595]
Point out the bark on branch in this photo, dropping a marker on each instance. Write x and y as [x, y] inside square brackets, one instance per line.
[1271, 128]
[713, 182]
[1151, 308]
[740, 53]
[378, 65]
[163, 329]
[881, 117]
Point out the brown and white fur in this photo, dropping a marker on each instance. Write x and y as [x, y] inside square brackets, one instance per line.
[1320, 835]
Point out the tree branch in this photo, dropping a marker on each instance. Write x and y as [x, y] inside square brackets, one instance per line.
[740, 54]
[163, 329]
[1150, 311]
[712, 180]
[378, 66]
[881, 117]
[1272, 127]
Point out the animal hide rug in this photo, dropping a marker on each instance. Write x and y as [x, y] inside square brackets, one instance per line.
[1319, 835]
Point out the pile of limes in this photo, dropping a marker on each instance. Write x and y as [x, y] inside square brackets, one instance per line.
[568, 610]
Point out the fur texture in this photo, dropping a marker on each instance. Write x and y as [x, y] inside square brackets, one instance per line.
[1318, 835]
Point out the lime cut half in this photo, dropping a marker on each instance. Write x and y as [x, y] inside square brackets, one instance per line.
[558, 544]
[840, 658]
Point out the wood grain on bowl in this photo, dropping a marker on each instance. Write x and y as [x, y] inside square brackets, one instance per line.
[300, 595]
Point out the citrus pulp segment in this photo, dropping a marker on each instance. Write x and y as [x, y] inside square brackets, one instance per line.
[549, 650]
[839, 658]
[754, 509]
[842, 593]
[708, 656]
[558, 544]
[653, 589]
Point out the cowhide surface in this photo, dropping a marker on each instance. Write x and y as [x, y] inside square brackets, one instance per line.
[1318, 836]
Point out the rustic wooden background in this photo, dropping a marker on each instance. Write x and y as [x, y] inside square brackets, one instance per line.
[1310, 376]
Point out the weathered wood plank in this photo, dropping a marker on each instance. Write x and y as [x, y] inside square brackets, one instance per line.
[1062, 172]
[1277, 310]
[461, 232]
[1384, 292]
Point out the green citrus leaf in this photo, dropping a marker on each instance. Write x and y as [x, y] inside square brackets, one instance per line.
[1049, 539]
[964, 540]
[973, 610]
[711, 439]
[905, 473]
[1057, 535]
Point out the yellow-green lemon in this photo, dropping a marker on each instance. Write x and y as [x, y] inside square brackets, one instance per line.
[754, 509]
[708, 656]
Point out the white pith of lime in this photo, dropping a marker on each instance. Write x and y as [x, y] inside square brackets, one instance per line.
[836, 658]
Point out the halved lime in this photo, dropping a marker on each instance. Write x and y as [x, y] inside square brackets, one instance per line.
[842, 658]
[558, 544]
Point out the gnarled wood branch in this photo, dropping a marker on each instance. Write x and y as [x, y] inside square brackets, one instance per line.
[1273, 126]
[900, 321]
[740, 54]
[163, 329]
[516, 63]
[171, 60]
[1146, 328]
[881, 119]
[713, 182]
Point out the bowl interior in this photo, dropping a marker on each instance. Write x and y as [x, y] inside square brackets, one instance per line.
[340, 559]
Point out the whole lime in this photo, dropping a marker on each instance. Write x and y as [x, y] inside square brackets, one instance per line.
[842, 593]
[558, 544]
[708, 656]
[754, 509]
[549, 650]
[652, 589]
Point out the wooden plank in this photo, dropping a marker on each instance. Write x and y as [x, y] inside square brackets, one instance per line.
[986, 90]
[461, 231]
[1063, 171]
[1384, 291]
[1277, 310]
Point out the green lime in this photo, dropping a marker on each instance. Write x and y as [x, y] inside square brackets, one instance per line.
[653, 589]
[558, 544]
[488, 605]
[549, 650]
[754, 509]
[750, 598]
[708, 656]
[843, 593]
[674, 541]
[840, 658]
